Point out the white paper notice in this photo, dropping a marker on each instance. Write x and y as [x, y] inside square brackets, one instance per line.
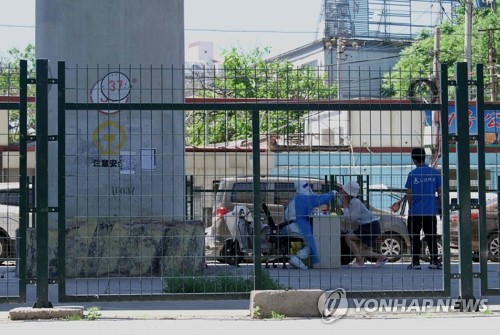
[148, 159]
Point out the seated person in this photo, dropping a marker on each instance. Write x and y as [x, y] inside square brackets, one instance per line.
[298, 214]
[362, 239]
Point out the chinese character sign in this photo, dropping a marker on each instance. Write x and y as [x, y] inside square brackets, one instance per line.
[491, 120]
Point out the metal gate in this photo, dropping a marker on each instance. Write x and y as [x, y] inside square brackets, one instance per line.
[13, 281]
[112, 285]
[87, 263]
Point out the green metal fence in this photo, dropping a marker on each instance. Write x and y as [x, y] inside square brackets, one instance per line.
[14, 219]
[210, 164]
[129, 216]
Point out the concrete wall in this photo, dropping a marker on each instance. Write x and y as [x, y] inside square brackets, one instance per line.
[125, 247]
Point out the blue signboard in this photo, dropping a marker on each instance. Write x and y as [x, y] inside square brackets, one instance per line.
[491, 120]
[484, 4]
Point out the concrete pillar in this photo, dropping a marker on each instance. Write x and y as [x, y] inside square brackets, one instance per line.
[119, 163]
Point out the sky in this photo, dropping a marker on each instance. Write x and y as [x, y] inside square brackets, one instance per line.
[244, 24]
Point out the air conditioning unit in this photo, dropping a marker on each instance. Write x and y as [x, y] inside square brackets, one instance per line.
[334, 136]
[327, 137]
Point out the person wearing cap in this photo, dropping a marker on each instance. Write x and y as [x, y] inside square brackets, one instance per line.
[422, 185]
[365, 227]
[297, 213]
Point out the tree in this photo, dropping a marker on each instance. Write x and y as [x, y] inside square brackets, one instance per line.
[249, 76]
[9, 85]
[416, 60]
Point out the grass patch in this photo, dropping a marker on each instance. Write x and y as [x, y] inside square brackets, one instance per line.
[73, 317]
[220, 283]
[93, 313]
[274, 315]
[256, 313]
[277, 316]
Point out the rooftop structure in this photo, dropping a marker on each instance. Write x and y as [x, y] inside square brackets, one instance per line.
[383, 19]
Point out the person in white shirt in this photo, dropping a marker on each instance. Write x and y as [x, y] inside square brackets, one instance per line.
[365, 227]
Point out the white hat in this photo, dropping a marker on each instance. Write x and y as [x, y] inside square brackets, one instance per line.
[303, 187]
[351, 188]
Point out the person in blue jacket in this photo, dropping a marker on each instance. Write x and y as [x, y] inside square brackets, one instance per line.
[298, 213]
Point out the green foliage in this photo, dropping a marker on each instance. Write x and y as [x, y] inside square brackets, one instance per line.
[256, 312]
[93, 313]
[416, 60]
[73, 317]
[221, 283]
[249, 76]
[9, 70]
[277, 316]
[9, 84]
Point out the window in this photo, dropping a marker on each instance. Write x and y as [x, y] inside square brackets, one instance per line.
[10, 197]
[283, 193]
[243, 192]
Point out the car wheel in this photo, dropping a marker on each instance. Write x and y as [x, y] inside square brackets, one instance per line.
[391, 246]
[231, 252]
[425, 250]
[493, 248]
[4, 250]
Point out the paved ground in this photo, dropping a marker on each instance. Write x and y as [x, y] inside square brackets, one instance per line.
[217, 317]
[373, 326]
[209, 315]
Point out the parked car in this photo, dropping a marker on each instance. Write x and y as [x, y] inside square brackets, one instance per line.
[492, 227]
[395, 240]
[9, 218]
[276, 192]
[382, 197]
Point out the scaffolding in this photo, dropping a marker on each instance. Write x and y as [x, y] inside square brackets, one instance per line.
[384, 19]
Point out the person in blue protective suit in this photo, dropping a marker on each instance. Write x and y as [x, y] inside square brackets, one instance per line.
[297, 213]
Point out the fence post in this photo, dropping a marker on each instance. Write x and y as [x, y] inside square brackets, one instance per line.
[61, 181]
[445, 171]
[41, 172]
[23, 177]
[256, 198]
[481, 177]
[463, 181]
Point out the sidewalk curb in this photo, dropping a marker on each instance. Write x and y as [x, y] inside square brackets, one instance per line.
[305, 303]
[30, 313]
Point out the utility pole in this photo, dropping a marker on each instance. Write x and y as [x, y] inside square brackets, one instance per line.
[468, 35]
[491, 61]
[340, 51]
[436, 117]
[435, 62]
